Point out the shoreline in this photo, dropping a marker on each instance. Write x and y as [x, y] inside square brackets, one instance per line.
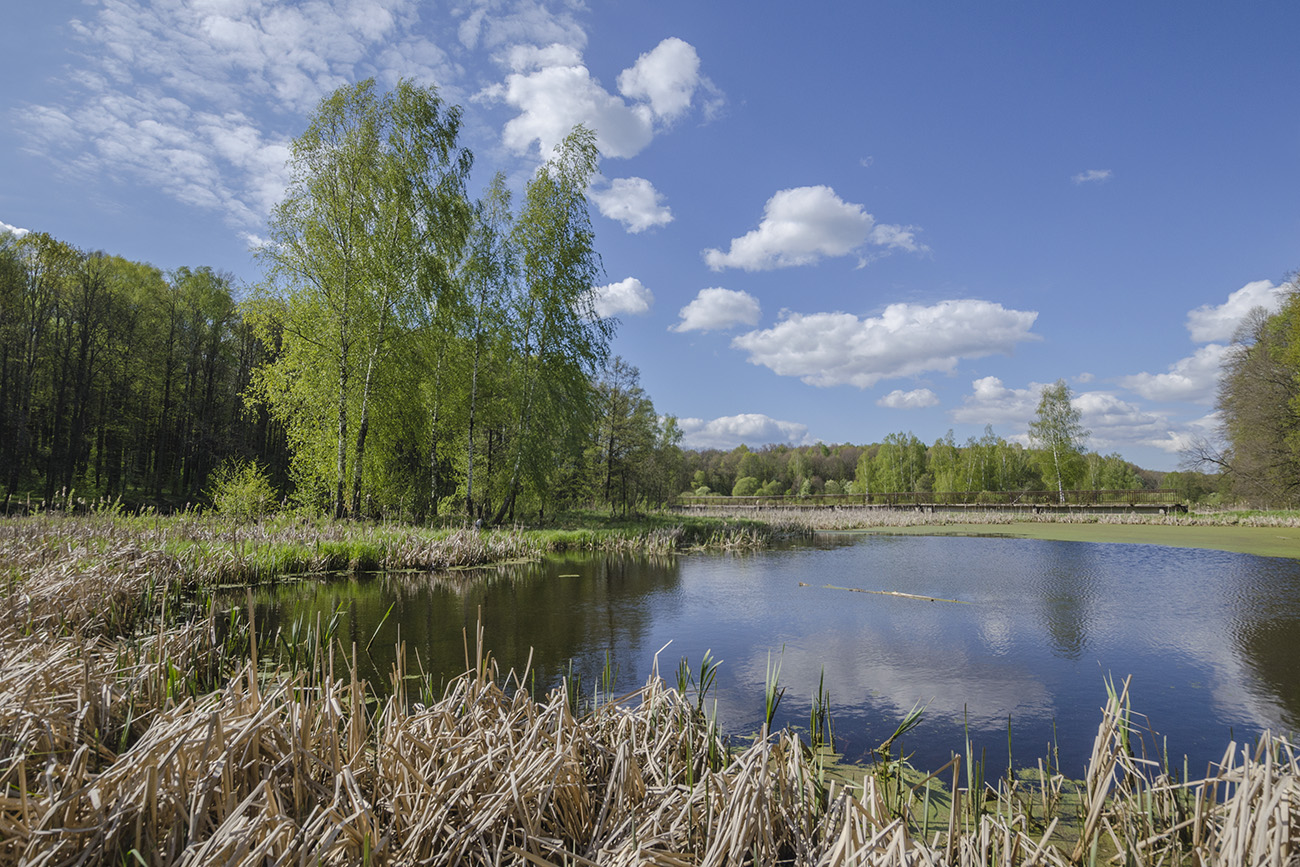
[1283, 542]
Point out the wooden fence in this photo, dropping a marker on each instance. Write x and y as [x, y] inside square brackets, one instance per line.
[917, 499]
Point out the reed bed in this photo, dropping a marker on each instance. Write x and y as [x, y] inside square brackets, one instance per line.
[109, 755]
[115, 558]
[140, 725]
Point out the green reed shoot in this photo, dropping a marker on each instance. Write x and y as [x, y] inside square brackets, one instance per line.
[911, 720]
[820, 732]
[772, 693]
[608, 677]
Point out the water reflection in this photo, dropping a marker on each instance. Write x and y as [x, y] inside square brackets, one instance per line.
[1209, 638]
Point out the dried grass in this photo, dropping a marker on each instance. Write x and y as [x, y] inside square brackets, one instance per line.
[104, 763]
[133, 731]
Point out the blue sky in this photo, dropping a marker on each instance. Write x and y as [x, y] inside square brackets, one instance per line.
[818, 221]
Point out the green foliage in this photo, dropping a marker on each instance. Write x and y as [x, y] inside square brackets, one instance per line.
[242, 490]
[746, 487]
[1057, 432]
[1259, 403]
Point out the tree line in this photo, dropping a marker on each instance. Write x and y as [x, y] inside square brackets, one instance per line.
[1056, 460]
[1259, 409]
[118, 380]
[410, 351]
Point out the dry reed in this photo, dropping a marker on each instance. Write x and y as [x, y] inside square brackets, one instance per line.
[134, 730]
[106, 762]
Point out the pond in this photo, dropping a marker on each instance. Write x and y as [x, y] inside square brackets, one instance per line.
[1019, 657]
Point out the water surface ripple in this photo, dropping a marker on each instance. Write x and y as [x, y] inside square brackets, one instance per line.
[1211, 639]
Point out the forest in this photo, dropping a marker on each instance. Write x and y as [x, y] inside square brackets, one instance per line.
[414, 353]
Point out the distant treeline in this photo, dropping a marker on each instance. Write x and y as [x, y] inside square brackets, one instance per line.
[118, 380]
[903, 463]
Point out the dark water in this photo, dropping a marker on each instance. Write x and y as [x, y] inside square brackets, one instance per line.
[1211, 640]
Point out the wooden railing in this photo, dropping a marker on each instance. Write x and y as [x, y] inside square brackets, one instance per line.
[912, 499]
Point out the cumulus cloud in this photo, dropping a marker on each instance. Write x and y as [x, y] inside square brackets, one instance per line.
[1180, 438]
[716, 309]
[1111, 421]
[492, 24]
[1211, 322]
[917, 398]
[992, 402]
[12, 230]
[553, 100]
[665, 77]
[1194, 378]
[750, 428]
[553, 92]
[625, 296]
[1115, 422]
[826, 349]
[802, 225]
[634, 202]
[1092, 176]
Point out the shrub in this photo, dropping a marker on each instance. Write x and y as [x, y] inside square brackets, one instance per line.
[746, 487]
[242, 490]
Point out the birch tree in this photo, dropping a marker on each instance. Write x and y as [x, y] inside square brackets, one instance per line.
[1056, 430]
[561, 343]
[369, 215]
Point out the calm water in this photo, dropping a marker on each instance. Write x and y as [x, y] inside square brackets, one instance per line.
[1212, 640]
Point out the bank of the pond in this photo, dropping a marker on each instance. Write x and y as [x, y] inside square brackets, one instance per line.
[207, 549]
[1262, 541]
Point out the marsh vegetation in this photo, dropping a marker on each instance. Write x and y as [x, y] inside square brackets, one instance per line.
[142, 722]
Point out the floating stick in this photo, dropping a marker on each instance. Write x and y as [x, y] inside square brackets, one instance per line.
[889, 593]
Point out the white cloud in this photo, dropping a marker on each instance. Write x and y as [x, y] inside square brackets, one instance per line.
[12, 230]
[715, 309]
[1182, 437]
[1114, 422]
[751, 429]
[553, 100]
[1092, 176]
[918, 398]
[826, 349]
[804, 224]
[634, 202]
[1219, 322]
[991, 402]
[494, 23]
[666, 77]
[625, 296]
[172, 95]
[1194, 378]
[1111, 421]
[554, 92]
